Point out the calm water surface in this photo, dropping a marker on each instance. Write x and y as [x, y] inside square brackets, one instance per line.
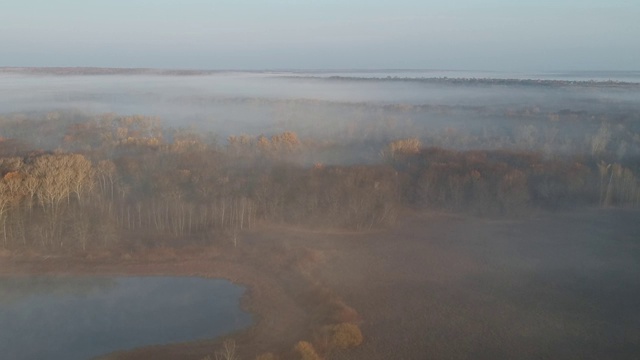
[83, 317]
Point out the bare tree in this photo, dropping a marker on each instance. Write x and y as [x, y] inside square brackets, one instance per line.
[228, 351]
[4, 205]
[81, 179]
[600, 140]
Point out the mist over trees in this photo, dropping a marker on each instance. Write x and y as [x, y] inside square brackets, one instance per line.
[75, 180]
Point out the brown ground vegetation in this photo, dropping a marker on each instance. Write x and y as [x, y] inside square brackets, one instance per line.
[438, 286]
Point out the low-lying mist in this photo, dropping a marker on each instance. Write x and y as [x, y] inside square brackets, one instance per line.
[362, 113]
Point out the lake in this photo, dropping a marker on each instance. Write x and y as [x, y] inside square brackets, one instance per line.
[83, 317]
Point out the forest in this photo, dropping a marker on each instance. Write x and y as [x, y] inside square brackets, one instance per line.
[75, 181]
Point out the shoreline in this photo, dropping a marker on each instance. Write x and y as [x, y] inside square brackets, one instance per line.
[287, 302]
[265, 298]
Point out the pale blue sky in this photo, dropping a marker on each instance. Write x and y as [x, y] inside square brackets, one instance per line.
[507, 35]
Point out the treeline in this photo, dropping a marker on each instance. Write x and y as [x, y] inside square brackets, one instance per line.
[125, 179]
[130, 183]
[502, 182]
[489, 81]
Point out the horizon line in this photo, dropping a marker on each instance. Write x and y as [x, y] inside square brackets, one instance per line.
[364, 70]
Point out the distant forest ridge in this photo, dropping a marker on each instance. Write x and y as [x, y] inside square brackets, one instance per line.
[423, 76]
[485, 81]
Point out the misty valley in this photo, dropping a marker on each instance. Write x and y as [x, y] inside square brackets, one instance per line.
[371, 215]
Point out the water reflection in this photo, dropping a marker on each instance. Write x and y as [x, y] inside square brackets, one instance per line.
[83, 317]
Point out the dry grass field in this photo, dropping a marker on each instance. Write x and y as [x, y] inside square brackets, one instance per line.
[562, 286]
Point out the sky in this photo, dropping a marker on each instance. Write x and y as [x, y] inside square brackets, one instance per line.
[491, 35]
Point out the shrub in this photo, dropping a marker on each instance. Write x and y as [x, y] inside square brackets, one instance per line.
[306, 351]
[344, 336]
[341, 312]
[396, 148]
